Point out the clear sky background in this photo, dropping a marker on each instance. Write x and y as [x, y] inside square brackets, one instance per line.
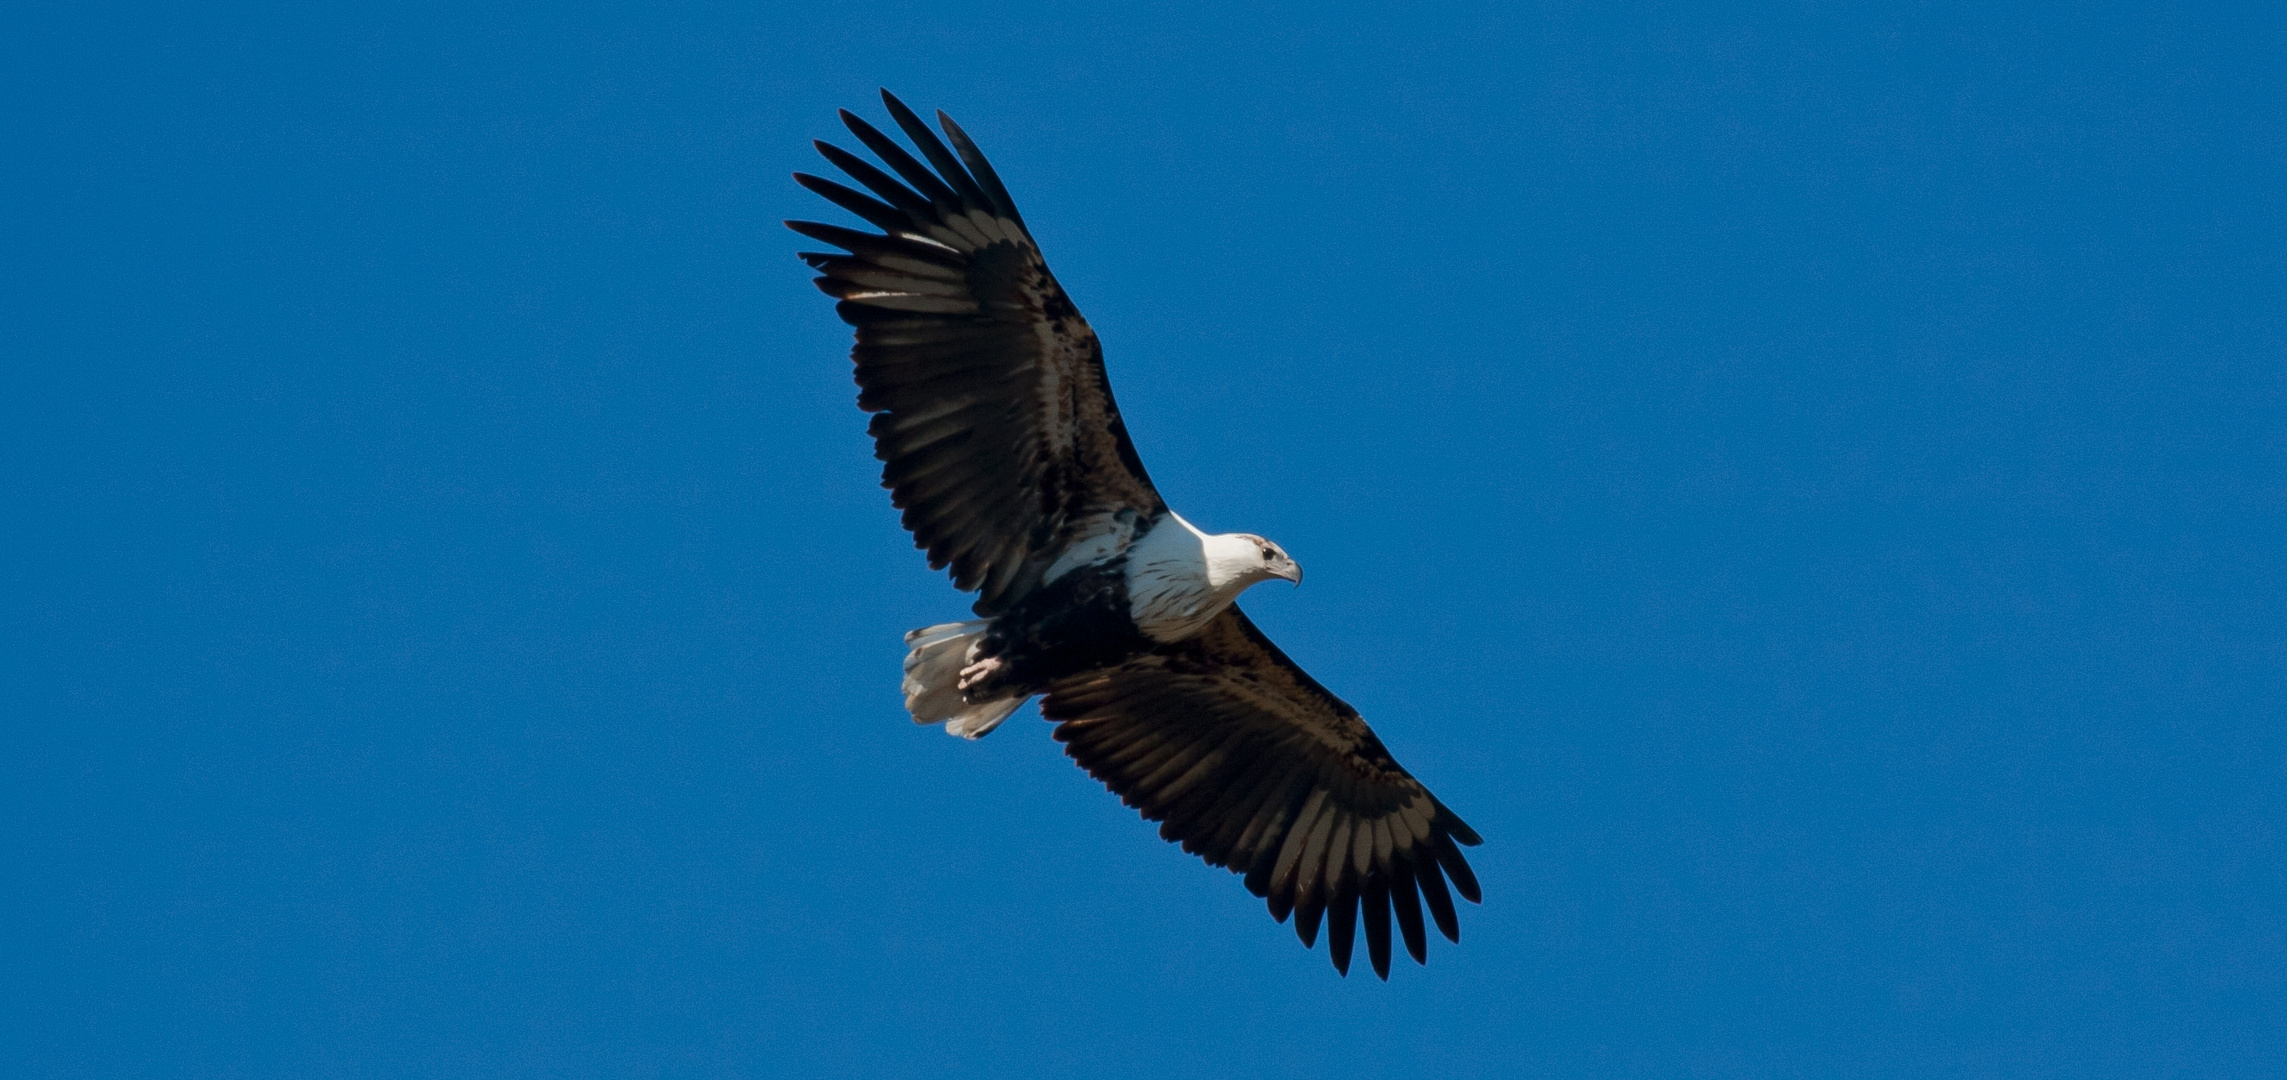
[1806, 484]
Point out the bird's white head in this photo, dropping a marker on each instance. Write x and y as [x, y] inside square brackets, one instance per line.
[1238, 560]
[1180, 579]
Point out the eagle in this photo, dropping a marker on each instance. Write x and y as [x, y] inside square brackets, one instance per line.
[1000, 442]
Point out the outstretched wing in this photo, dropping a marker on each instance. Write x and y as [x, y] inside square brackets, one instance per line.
[1253, 766]
[995, 421]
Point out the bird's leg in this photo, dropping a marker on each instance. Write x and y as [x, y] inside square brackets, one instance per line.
[979, 672]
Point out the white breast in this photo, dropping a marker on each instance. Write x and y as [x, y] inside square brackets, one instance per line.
[1179, 578]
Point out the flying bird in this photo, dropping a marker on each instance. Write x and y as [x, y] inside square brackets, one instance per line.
[999, 439]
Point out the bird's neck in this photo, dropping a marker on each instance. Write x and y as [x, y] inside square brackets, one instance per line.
[1179, 578]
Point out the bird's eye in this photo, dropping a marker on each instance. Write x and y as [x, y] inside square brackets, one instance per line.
[1266, 554]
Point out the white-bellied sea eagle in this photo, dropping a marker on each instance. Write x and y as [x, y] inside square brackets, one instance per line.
[1000, 442]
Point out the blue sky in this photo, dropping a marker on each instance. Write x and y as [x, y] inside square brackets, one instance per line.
[1805, 483]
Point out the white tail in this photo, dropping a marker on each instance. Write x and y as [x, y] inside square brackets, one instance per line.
[933, 680]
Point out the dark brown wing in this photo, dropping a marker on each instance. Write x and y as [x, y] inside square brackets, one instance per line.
[1253, 766]
[994, 418]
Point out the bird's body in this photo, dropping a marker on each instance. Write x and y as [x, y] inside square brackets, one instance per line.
[1002, 444]
[1127, 590]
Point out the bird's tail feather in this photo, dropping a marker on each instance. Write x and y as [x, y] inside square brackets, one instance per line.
[933, 680]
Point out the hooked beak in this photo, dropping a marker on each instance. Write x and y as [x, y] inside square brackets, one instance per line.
[1293, 573]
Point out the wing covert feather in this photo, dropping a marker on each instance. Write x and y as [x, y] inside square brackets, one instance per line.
[994, 418]
[1250, 764]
